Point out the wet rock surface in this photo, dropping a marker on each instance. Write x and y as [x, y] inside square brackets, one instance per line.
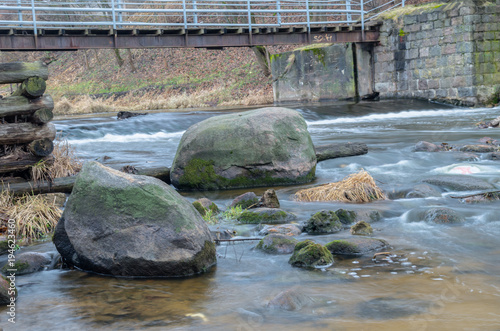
[459, 182]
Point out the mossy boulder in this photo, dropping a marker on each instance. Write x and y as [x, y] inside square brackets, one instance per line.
[323, 222]
[262, 147]
[346, 217]
[7, 294]
[362, 228]
[356, 246]
[275, 243]
[443, 215]
[128, 225]
[266, 216]
[203, 205]
[245, 200]
[29, 262]
[308, 254]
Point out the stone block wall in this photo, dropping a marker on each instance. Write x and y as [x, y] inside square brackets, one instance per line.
[444, 52]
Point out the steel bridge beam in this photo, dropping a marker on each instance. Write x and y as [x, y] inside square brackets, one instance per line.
[75, 39]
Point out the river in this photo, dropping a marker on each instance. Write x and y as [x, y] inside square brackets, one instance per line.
[442, 277]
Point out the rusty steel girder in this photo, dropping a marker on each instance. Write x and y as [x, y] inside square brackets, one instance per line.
[75, 39]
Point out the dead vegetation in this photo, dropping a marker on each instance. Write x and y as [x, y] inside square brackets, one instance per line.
[356, 188]
[34, 216]
[65, 163]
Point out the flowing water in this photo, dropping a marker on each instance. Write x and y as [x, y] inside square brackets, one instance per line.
[440, 278]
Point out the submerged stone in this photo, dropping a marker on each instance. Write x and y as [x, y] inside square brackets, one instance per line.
[323, 222]
[443, 215]
[135, 226]
[262, 147]
[291, 299]
[459, 182]
[286, 229]
[308, 254]
[390, 308]
[275, 243]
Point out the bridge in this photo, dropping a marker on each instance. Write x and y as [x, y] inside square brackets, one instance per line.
[31, 25]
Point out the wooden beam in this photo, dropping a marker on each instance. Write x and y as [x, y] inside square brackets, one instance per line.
[21, 133]
[20, 105]
[17, 72]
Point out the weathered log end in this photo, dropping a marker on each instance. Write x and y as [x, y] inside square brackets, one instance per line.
[23, 133]
[41, 147]
[31, 88]
[42, 116]
[17, 72]
[332, 151]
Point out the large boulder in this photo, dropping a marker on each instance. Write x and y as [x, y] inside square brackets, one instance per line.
[129, 225]
[262, 147]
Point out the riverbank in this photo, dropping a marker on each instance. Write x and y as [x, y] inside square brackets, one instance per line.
[100, 81]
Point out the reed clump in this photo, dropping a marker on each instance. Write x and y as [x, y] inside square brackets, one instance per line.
[35, 217]
[63, 164]
[356, 188]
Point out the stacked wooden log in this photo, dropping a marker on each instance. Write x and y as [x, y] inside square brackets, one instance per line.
[26, 136]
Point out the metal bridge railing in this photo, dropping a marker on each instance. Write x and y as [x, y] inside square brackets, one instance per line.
[127, 14]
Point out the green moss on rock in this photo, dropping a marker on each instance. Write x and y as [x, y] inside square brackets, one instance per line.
[4, 246]
[346, 216]
[308, 254]
[323, 222]
[277, 244]
[342, 247]
[256, 217]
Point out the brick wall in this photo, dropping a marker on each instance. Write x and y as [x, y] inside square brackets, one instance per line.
[448, 53]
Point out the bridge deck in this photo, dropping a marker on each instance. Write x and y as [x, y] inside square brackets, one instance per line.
[74, 39]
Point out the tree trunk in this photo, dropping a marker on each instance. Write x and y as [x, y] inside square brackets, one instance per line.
[31, 88]
[261, 54]
[23, 106]
[42, 116]
[17, 72]
[18, 161]
[41, 147]
[332, 151]
[19, 133]
[119, 59]
[65, 184]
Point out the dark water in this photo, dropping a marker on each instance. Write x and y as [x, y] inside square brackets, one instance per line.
[443, 278]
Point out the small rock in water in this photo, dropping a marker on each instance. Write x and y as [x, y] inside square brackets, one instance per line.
[203, 205]
[308, 254]
[275, 243]
[269, 200]
[362, 229]
[443, 215]
[245, 200]
[424, 146]
[126, 114]
[323, 222]
[29, 262]
[286, 229]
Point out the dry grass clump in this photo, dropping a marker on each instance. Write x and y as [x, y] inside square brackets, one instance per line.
[65, 163]
[34, 216]
[358, 188]
[82, 105]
